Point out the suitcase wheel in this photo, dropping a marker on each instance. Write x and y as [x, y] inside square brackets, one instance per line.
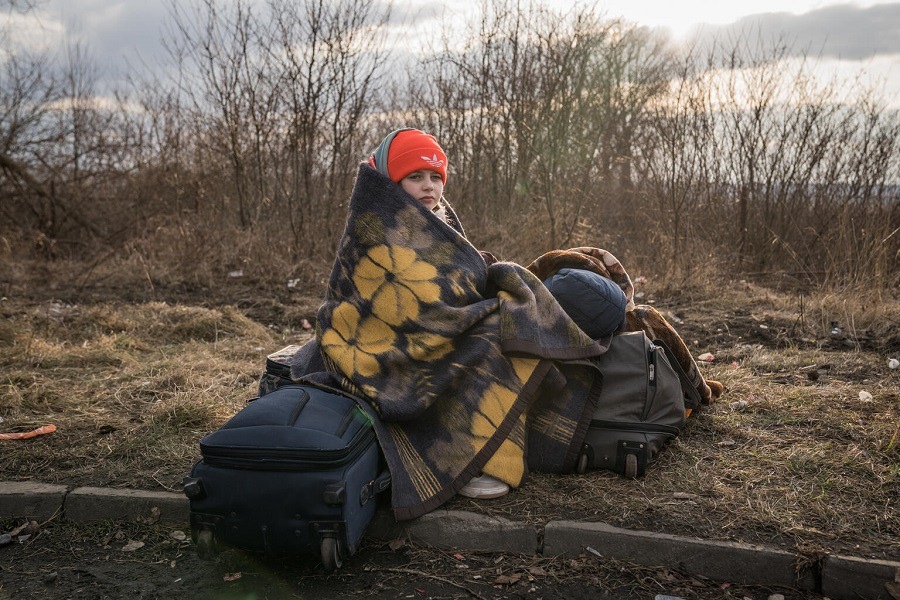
[206, 545]
[331, 553]
[631, 466]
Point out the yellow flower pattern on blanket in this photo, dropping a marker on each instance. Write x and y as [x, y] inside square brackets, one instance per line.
[507, 463]
[352, 342]
[396, 281]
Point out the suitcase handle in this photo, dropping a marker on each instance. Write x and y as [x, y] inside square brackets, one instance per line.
[375, 487]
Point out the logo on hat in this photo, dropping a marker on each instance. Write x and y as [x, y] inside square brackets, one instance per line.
[433, 161]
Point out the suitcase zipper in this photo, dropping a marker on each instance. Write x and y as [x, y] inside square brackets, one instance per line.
[648, 427]
[288, 459]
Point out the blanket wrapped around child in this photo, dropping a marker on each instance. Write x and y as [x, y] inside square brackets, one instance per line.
[464, 367]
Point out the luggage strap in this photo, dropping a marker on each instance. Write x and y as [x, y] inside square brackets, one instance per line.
[691, 395]
[375, 487]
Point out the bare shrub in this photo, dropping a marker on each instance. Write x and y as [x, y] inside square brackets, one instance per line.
[563, 129]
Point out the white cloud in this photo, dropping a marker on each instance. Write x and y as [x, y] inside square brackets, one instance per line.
[841, 31]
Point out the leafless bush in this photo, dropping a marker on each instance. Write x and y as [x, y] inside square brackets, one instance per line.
[775, 170]
[562, 129]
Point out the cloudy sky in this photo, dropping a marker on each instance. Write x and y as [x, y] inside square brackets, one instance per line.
[850, 37]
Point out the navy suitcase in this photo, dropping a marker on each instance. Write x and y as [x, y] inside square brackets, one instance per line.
[296, 470]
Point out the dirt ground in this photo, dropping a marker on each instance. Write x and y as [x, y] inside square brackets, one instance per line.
[792, 456]
[65, 561]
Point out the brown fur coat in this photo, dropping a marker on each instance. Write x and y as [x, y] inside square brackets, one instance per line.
[638, 318]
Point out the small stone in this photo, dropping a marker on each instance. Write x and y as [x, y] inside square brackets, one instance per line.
[776, 597]
[5, 539]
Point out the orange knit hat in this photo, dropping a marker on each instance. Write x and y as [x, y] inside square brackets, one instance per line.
[407, 150]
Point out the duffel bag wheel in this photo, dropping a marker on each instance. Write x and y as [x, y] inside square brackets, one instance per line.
[582, 464]
[206, 545]
[331, 553]
[631, 466]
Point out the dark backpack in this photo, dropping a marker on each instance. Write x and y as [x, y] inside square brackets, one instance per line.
[641, 406]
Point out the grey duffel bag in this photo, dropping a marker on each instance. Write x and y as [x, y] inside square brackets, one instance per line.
[641, 406]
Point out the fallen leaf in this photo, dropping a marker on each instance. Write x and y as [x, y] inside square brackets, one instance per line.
[27, 527]
[178, 535]
[396, 544]
[508, 579]
[152, 518]
[231, 576]
[706, 357]
[537, 571]
[459, 556]
[132, 546]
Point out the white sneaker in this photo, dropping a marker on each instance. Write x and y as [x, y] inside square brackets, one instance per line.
[484, 486]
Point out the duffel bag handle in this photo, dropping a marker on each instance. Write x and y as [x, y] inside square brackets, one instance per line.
[691, 395]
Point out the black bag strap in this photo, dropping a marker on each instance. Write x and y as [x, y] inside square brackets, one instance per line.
[691, 395]
[374, 487]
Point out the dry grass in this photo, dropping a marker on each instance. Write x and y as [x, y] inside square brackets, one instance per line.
[792, 455]
[130, 387]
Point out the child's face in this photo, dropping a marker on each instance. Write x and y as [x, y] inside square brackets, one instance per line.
[424, 185]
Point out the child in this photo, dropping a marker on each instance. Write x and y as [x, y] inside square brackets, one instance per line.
[415, 160]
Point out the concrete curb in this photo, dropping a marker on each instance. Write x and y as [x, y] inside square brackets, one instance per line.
[723, 561]
[87, 504]
[837, 577]
[39, 501]
[459, 530]
[850, 577]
